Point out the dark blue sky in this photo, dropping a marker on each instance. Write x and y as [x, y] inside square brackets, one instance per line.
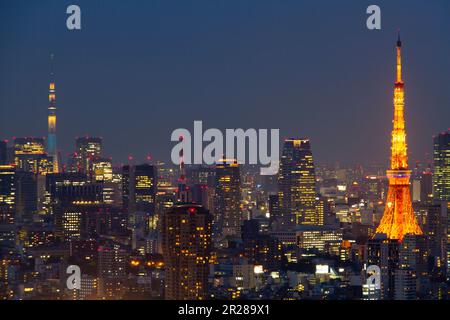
[140, 69]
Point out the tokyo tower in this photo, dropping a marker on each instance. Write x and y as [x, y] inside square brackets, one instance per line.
[398, 217]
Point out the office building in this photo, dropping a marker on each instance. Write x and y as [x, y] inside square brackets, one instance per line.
[228, 216]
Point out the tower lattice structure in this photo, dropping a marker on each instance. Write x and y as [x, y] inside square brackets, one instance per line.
[398, 217]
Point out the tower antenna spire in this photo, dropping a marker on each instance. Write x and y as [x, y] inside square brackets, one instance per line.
[399, 58]
[52, 57]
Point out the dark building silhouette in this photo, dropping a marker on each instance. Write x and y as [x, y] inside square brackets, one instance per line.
[7, 206]
[383, 252]
[68, 206]
[26, 196]
[3, 152]
[441, 155]
[413, 258]
[274, 208]
[436, 231]
[139, 187]
[259, 248]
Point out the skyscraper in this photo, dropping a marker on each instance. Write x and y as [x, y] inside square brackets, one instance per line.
[112, 262]
[88, 149]
[426, 186]
[228, 218]
[145, 186]
[51, 140]
[186, 233]
[139, 186]
[441, 179]
[405, 285]
[183, 191]
[30, 155]
[296, 185]
[413, 256]
[67, 191]
[102, 170]
[7, 194]
[435, 230]
[398, 218]
[3, 152]
[7, 204]
[384, 253]
[26, 196]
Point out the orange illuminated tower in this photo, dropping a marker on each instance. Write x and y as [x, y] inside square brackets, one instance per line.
[51, 140]
[398, 218]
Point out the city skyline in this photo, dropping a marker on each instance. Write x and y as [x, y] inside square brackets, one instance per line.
[94, 108]
[126, 212]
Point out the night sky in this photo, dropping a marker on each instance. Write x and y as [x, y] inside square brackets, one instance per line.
[140, 69]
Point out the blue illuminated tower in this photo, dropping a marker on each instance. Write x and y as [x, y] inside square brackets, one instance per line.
[51, 140]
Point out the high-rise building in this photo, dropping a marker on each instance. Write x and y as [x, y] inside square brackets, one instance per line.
[51, 139]
[89, 220]
[398, 218]
[26, 196]
[186, 233]
[413, 256]
[112, 269]
[435, 231]
[261, 248]
[274, 209]
[228, 217]
[3, 152]
[7, 205]
[383, 253]
[67, 201]
[183, 192]
[165, 199]
[88, 150]
[201, 175]
[30, 155]
[321, 238]
[112, 181]
[7, 194]
[448, 242]
[204, 195]
[103, 170]
[405, 285]
[441, 178]
[139, 186]
[296, 185]
[426, 187]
